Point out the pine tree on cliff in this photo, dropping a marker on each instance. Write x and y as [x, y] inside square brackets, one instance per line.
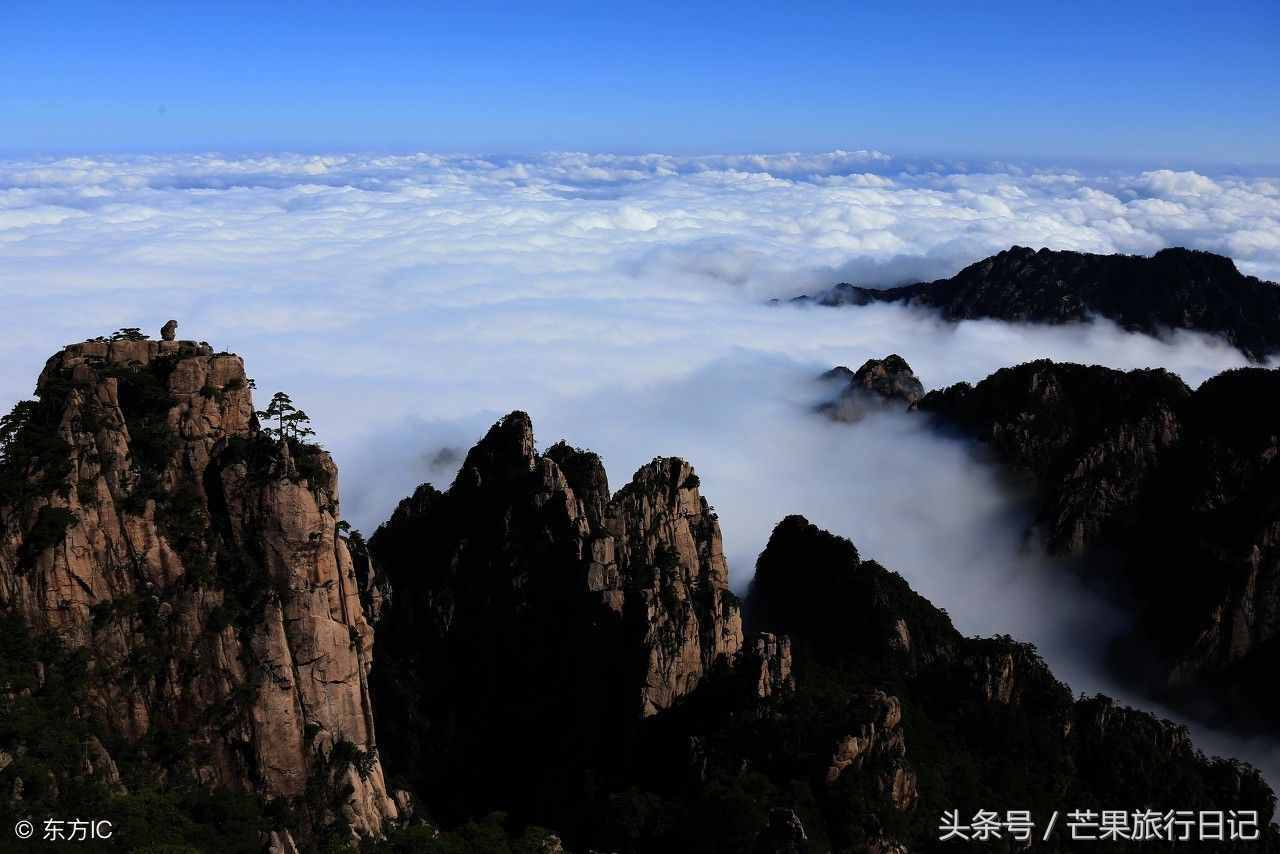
[291, 422]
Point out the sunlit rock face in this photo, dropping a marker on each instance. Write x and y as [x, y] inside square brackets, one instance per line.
[149, 521]
[536, 619]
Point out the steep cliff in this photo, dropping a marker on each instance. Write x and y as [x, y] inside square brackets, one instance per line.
[192, 566]
[537, 621]
[1174, 289]
[1171, 495]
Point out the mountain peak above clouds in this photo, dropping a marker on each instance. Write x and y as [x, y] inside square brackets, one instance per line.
[1175, 288]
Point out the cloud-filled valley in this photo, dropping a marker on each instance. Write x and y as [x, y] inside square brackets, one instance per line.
[407, 302]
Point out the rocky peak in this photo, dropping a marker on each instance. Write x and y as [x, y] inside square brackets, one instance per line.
[505, 453]
[874, 737]
[766, 664]
[879, 382]
[527, 574]
[814, 586]
[839, 374]
[586, 475]
[1198, 264]
[147, 521]
[659, 520]
[891, 378]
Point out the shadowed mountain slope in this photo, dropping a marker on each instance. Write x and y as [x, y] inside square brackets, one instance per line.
[1179, 489]
[1173, 289]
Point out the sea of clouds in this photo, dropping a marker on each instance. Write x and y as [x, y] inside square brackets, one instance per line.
[406, 302]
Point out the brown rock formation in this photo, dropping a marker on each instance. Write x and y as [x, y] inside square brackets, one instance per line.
[877, 384]
[766, 662]
[878, 737]
[670, 564]
[147, 520]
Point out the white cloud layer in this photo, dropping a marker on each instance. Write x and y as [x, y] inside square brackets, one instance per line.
[405, 302]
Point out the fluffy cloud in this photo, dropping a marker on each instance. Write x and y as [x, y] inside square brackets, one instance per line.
[449, 285]
[443, 286]
[1166, 182]
[408, 301]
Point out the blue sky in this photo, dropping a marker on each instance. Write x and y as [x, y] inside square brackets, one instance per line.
[1160, 83]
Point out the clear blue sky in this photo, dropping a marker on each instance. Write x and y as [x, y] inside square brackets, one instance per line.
[1126, 81]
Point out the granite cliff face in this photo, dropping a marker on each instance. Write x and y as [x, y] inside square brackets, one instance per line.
[194, 567]
[1173, 289]
[537, 621]
[1178, 487]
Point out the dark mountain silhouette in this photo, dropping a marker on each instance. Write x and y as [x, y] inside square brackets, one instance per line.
[1173, 289]
[573, 658]
[1179, 489]
[537, 620]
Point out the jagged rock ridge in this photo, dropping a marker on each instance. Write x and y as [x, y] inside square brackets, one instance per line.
[846, 716]
[1173, 289]
[1183, 486]
[530, 602]
[150, 525]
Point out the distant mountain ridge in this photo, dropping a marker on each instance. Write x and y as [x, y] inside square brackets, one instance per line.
[1176, 288]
